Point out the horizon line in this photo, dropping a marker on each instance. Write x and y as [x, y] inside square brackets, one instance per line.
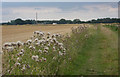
[62, 18]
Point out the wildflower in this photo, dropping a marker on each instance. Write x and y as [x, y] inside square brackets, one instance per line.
[20, 53]
[54, 39]
[8, 71]
[60, 44]
[29, 41]
[46, 48]
[17, 64]
[37, 44]
[48, 33]
[10, 49]
[40, 51]
[36, 39]
[13, 44]
[47, 40]
[35, 57]
[43, 38]
[23, 68]
[28, 66]
[19, 43]
[64, 51]
[50, 38]
[53, 35]
[51, 41]
[22, 50]
[32, 48]
[44, 59]
[48, 45]
[18, 59]
[6, 44]
[60, 53]
[40, 60]
[61, 47]
[53, 48]
[45, 51]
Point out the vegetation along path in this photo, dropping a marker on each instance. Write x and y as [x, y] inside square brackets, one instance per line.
[98, 55]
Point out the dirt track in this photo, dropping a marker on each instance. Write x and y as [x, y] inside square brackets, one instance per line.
[22, 33]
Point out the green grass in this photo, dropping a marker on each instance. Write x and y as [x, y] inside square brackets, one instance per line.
[112, 27]
[96, 55]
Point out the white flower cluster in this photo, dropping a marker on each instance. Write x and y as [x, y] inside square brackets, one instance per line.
[79, 29]
[38, 47]
[11, 46]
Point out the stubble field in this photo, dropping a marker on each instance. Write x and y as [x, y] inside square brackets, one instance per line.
[22, 33]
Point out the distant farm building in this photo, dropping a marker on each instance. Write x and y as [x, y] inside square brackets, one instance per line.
[54, 23]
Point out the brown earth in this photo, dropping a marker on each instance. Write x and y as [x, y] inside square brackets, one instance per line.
[14, 33]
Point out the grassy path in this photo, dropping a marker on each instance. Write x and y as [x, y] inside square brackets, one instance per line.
[102, 50]
[103, 55]
[98, 56]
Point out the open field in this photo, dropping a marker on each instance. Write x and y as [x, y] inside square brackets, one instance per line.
[89, 50]
[22, 33]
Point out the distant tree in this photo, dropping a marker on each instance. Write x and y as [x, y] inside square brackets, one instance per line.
[76, 21]
[13, 22]
[62, 21]
[69, 22]
[19, 21]
[28, 22]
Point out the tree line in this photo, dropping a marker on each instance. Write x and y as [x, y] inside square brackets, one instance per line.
[61, 21]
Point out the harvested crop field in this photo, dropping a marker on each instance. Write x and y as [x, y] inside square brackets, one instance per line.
[22, 33]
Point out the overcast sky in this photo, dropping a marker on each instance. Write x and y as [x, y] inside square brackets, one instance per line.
[58, 10]
[60, 0]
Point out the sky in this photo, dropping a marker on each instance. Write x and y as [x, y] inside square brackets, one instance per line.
[60, 0]
[57, 10]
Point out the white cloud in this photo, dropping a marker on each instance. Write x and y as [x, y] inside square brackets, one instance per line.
[45, 13]
[28, 12]
[35, 9]
[101, 7]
